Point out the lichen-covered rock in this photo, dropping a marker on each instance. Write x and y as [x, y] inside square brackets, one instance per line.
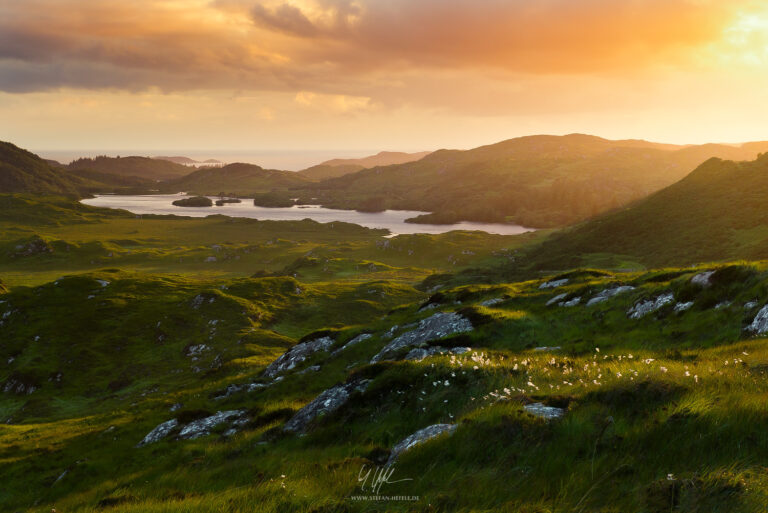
[236, 388]
[197, 350]
[682, 307]
[437, 326]
[723, 304]
[703, 279]
[492, 302]
[420, 353]
[760, 322]
[158, 433]
[556, 299]
[749, 305]
[544, 412]
[419, 437]
[545, 349]
[203, 427]
[609, 293]
[360, 338]
[327, 402]
[297, 354]
[554, 284]
[571, 302]
[643, 308]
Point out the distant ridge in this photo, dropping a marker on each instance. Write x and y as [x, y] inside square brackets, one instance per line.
[186, 161]
[339, 167]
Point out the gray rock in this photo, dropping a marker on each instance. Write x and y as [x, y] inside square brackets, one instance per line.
[544, 412]
[760, 322]
[360, 338]
[554, 284]
[643, 308]
[312, 368]
[492, 302]
[202, 427]
[571, 302]
[158, 433]
[749, 305]
[545, 349]
[682, 307]
[419, 437]
[420, 353]
[197, 350]
[437, 326]
[608, 294]
[703, 279]
[236, 388]
[723, 304]
[176, 407]
[556, 299]
[297, 354]
[327, 402]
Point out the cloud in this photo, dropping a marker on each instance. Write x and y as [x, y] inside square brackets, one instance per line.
[348, 48]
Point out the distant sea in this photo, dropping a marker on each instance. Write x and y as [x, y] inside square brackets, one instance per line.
[269, 159]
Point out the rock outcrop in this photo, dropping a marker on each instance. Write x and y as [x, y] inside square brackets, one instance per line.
[608, 294]
[420, 353]
[703, 279]
[760, 322]
[327, 402]
[554, 284]
[419, 437]
[437, 326]
[159, 433]
[296, 355]
[544, 412]
[643, 308]
[202, 427]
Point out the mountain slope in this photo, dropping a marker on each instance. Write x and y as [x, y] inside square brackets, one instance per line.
[717, 212]
[142, 167]
[340, 167]
[22, 171]
[538, 181]
[240, 179]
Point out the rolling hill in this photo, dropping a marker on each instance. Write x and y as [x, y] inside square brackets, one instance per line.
[22, 171]
[236, 179]
[339, 167]
[141, 167]
[715, 213]
[537, 181]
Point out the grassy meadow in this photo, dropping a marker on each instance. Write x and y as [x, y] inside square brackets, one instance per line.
[120, 323]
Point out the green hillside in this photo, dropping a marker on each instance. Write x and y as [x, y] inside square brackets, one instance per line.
[22, 171]
[325, 171]
[235, 179]
[538, 181]
[139, 167]
[716, 213]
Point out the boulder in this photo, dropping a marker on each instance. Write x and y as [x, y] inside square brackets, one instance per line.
[297, 354]
[202, 427]
[760, 322]
[553, 284]
[327, 402]
[158, 433]
[544, 412]
[608, 294]
[420, 353]
[556, 299]
[703, 279]
[571, 302]
[419, 437]
[360, 338]
[643, 308]
[437, 326]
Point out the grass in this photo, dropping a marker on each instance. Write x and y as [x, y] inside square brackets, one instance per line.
[664, 413]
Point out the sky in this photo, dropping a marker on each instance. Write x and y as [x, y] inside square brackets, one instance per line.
[359, 75]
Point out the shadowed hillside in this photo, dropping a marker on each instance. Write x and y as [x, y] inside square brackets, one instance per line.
[538, 181]
[22, 171]
[717, 212]
[240, 179]
[141, 167]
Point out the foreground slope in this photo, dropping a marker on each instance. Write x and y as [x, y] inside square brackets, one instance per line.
[716, 213]
[537, 181]
[635, 404]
